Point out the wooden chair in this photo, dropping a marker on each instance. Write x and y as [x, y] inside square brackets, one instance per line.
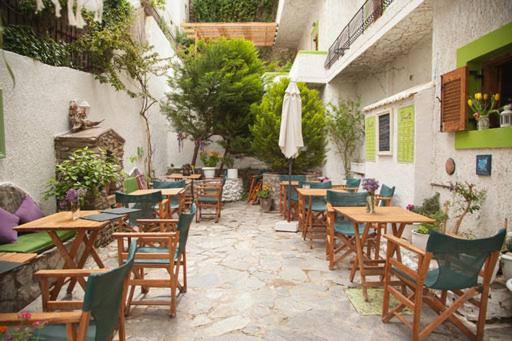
[174, 204]
[317, 216]
[284, 192]
[165, 249]
[141, 182]
[385, 196]
[340, 240]
[103, 300]
[208, 195]
[256, 184]
[352, 185]
[459, 264]
[151, 205]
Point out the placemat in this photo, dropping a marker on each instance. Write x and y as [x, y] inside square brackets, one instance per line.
[7, 266]
[103, 217]
[121, 210]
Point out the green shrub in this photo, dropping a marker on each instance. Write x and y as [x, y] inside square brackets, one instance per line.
[265, 130]
[232, 10]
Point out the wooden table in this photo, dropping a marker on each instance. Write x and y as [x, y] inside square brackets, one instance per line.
[396, 216]
[87, 232]
[178, 176]
[166, 192]
[306, 213]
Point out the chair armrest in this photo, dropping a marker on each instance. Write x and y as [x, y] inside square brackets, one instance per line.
[142, 234]
[50, 317]
[68, 272]
[330, 208]
[404, 243]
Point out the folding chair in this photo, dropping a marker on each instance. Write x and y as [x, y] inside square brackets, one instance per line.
[317, 217]
[458, 264]
[174, 203]
[151, 205]
[208, 196]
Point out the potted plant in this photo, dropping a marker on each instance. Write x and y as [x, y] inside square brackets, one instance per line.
[506, 257]
[482, 106]
[85, 170]
[265, 197]
[431, 207]
[210, 161]
[421, 234]
[370, 185]
[230, 162]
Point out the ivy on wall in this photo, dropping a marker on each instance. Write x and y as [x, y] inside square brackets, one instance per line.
[233, 10]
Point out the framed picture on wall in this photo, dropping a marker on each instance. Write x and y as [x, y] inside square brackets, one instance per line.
[384, 130]
[484, 165]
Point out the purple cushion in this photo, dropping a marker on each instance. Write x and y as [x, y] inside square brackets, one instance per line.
[7, 222]
[28, 210]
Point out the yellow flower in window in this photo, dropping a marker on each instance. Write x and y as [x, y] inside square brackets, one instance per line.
[470, 103]
[478, 96]
[497, 97]
[486, 97]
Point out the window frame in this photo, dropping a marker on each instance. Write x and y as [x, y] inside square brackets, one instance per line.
[389, 152]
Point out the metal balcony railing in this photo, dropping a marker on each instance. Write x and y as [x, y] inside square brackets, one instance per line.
[364, 17]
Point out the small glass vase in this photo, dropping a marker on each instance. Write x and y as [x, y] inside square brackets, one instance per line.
[370, 205]
[483, 122]
[75, 211]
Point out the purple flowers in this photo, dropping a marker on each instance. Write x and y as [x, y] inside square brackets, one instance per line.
[73, 195]
[410, 207]
[323, 178]
[370, 185]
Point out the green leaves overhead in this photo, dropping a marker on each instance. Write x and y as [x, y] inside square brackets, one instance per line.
[265, 130]
[232, 10]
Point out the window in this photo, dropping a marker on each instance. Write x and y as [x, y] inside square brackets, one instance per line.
[384, 133]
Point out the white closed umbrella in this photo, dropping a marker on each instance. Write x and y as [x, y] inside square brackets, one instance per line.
[290, 134]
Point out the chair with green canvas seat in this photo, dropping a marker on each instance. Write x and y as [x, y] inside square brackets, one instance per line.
[463, 267]
[318, 210]
[352, 184]
[207, 196]
[385, 196]
[340, 231]
[102, 310]
[146, 204]
[174, 203]
[285, 191]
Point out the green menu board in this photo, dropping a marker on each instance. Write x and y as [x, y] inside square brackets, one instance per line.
[406, 134]
[370, 145]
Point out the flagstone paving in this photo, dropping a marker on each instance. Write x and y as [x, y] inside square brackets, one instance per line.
[247, 282]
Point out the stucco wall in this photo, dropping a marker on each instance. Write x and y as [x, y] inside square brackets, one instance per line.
[457, 23]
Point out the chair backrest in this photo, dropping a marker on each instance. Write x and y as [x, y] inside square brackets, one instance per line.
[158, 184]
[386, 191]
[130, 184]
[141, 181]
[144, 202]
[460, 260]
[316, 184]
[103, 296]
[184, 227]
[209, 188]
[353, 182]
[347, 199]
[292, 177]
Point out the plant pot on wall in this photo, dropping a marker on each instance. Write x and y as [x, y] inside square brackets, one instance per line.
[209, 172]
[506, 265]
[233, 173]
[266, 204]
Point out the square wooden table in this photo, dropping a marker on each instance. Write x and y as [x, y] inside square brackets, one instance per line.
[306, 213]
[397, 217]
[166, 192]
[178, 176]
[87, 232]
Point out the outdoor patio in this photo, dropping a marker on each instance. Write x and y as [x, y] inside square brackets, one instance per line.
[248, 282]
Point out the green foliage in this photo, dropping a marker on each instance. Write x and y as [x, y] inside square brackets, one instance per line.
[210, 159]
[468, 200]
[232, 10]
[22, 40]
[431, 207]
[139, 154]
[215, 84]
[345, 125]
[265, 130]
[85, 169]
[160, 4]
[265, 192]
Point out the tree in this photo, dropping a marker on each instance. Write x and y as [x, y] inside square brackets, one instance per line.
[241, 86]
[345, 125]
[214, 85]
[265, 130]
[114, 52]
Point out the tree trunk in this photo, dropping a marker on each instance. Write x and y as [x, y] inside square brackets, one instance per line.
[346, 163]
[226, 152]
[149, 148]
[196, 152]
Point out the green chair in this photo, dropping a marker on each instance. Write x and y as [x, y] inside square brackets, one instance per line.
[340, 231]
[146, 203]
[315, 226]
[103, 301]
[385, 196]
[168, 253]
[459, 264]
[130, 185]
[318, 204]
[289, 192]
[352, 184]
[175, 204]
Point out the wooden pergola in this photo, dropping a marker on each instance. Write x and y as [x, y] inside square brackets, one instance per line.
[260, 33]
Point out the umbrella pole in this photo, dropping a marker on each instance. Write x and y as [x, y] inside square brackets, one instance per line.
[289, 189]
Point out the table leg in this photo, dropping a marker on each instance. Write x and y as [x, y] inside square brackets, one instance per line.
[359, 258]
[310, 221]
[181, 202]
[69, 258]
[302, 211]
[89, 250]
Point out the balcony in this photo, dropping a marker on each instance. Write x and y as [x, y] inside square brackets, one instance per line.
[376, 35]
[307, 67]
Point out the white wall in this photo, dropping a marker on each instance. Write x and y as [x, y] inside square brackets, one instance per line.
[457, 23]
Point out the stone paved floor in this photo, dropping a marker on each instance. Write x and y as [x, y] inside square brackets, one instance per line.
[248, 282]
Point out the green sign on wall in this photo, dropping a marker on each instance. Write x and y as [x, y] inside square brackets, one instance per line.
[370, 140]
[405, 148]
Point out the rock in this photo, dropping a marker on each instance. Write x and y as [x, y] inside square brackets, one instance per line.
[227, 325]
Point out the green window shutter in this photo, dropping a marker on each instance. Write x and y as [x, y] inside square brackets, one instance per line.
[2, 128]
[369, 128]
[406, 134]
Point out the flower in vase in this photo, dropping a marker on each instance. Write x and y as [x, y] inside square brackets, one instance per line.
[410, 207]
[370, 185]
